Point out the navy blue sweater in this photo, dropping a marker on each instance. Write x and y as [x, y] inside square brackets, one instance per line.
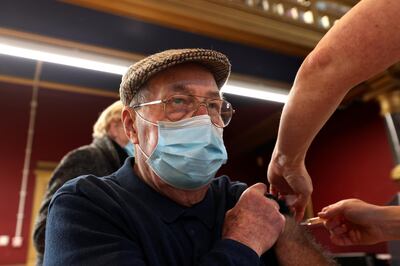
[120, 220]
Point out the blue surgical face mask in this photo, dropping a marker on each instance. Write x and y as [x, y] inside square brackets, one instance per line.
[188, 153]
[130, 149]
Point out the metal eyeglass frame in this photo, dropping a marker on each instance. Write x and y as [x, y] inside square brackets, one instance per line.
[165, 101]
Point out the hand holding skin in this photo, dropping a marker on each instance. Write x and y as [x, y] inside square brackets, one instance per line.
[290, 179]
[255, 221]
[355, 222]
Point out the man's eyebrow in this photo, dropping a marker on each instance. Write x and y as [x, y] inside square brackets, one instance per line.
[182, 88]
[214, 94]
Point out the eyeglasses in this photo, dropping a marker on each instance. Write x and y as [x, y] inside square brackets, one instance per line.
[177, 107]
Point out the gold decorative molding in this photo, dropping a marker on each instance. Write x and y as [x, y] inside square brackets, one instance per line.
[226, 20]
[395, 174]
[380, 84]
[313, 14]
[389, 102]
[385, 88]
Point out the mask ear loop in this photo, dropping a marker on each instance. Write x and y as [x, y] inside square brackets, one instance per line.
[144, 154]
[144, 119]
[142, 151]
[151, 123]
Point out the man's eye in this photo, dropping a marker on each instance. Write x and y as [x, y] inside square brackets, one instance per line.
[178, 101]
[214, 106]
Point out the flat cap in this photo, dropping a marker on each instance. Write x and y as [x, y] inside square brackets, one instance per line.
[140, 72]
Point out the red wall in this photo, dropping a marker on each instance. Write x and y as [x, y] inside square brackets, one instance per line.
[64, 121]
[14, 108]
[243, 166]
[351, 158]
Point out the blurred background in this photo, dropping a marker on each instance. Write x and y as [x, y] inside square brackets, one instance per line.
[48, 105]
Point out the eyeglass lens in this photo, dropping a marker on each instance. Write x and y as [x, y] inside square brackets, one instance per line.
[178, 107]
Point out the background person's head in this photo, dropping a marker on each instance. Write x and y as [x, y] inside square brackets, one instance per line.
[109, 124]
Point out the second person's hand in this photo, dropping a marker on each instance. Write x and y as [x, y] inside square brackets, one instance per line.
[290, 179]
[355, 222]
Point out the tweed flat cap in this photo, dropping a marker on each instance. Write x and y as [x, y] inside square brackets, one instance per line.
[139, 73]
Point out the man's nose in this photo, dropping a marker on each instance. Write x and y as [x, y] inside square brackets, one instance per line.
[201, 110]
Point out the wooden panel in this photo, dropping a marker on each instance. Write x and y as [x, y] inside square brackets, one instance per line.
[43, 175]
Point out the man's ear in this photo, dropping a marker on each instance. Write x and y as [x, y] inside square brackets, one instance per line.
[128, 117]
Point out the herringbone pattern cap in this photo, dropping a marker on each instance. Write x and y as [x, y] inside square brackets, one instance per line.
[139, 73]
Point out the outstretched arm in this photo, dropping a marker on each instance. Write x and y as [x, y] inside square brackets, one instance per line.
[355, 222]
[361, 44]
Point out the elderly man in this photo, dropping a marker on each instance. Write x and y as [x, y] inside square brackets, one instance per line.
[164, 207]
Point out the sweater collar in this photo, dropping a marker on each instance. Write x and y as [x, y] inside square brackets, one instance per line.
[168, 210]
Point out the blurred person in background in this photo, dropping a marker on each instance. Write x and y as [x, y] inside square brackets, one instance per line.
[107, 152]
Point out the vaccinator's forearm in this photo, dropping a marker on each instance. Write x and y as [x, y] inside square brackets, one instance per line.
[361, 44]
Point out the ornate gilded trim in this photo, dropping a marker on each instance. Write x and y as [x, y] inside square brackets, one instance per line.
[395, 173]
[389, 102]
[220, 19]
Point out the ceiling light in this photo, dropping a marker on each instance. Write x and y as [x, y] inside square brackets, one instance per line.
[82, 59]
[259, 94]
[61, 55]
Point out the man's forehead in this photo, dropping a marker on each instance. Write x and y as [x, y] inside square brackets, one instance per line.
[187, 88]
[186, 79]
